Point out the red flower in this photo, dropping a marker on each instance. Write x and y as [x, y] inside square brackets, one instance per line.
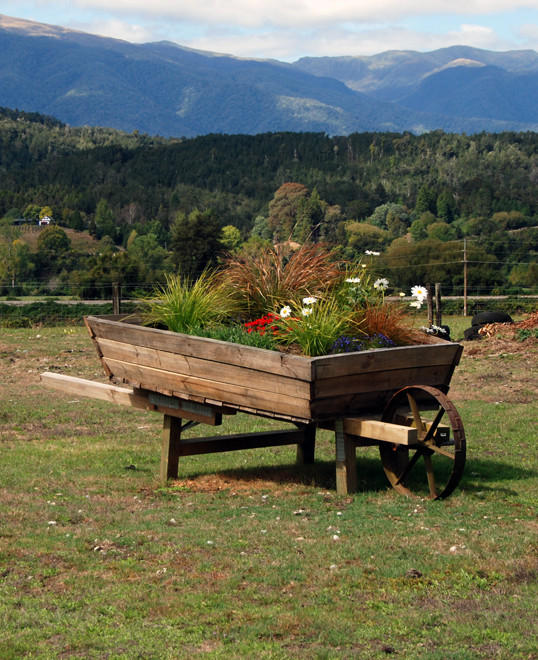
[262, 324]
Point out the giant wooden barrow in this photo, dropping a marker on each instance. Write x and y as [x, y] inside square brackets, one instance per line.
[394, 398]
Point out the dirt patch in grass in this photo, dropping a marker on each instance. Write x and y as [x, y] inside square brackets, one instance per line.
[500, 367]
[274, 481]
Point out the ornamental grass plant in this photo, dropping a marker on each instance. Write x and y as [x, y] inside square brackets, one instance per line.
[316, 325]
[264, 282]
[185, 305]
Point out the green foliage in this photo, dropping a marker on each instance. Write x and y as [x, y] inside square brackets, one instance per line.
[104, 220]
[285, 208]
[526, 333]
[112, 182]
[147, 251]
[183, 305]
[45, 211]
[315, 326]
[15, 258]
[196, 241]
[362, 236]
[52, 242]
[237, 334]
[231, 238]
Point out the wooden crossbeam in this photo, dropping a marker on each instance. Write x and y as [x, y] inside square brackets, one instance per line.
[373, 429]
[232, 442]
[365, 430]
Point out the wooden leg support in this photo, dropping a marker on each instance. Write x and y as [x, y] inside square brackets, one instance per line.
[346, 461]
[170, 448]
[306, 448]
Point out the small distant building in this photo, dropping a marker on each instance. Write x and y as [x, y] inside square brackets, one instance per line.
[45, 220]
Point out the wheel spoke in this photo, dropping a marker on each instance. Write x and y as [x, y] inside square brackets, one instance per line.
[440, 450]
[416, 413]
[434, 425]
[430, 474]
[409, 466]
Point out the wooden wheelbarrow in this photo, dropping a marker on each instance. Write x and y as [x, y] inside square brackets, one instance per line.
[394, 398]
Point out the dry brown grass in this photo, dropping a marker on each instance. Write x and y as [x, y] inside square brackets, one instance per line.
[389, 319]
[81, 241]
[265, 281]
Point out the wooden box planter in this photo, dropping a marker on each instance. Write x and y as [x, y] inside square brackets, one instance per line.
[262, 382]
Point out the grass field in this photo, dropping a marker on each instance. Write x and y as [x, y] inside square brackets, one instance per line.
[247, 554]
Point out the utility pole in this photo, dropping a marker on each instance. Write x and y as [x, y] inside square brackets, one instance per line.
[464, 277]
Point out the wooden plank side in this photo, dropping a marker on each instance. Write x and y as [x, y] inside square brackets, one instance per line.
[207, 369]
[365, 403]
[335, 366]
[202, 389]
[275, 362]
[388, 380]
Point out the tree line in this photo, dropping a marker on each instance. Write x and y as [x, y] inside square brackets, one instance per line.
[155, 205]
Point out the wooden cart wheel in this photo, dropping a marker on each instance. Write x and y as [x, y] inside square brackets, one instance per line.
[433, 467]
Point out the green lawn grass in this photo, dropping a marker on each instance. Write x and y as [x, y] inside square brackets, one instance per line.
[247, 554]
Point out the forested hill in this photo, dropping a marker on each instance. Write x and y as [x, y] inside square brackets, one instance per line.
[43, 159]
[396, 193]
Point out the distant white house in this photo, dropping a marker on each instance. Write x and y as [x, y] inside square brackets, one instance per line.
[45, 220]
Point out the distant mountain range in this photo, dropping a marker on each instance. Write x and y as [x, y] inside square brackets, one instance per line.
[169, 90]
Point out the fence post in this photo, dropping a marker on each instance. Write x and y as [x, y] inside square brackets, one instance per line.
[116, 298]
[438, 305]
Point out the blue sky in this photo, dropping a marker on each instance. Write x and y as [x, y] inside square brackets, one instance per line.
[289, 29]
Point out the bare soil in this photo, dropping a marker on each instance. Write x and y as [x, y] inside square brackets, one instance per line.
[500, 367]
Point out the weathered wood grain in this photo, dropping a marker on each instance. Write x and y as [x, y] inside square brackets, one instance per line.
[200, 389]
[221, 352]
[266, 382]
[202, 368]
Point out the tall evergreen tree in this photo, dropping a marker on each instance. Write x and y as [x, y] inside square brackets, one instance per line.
[196, 241]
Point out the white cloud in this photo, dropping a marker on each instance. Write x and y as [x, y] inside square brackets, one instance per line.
[289, 45]
[119, 30]
[289, 29]
[528, 34]
[297, 13]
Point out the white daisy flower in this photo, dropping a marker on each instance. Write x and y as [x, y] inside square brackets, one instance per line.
[306, 311]
[310, 300]
[285, 312]
[419, 292]
[382, 283]
[353, 280]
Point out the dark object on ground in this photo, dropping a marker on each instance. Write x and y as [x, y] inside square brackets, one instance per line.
[472, 333]
[491, 317]
[482, 319]
[445, 334]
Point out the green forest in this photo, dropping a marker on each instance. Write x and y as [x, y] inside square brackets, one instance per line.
[130, 208]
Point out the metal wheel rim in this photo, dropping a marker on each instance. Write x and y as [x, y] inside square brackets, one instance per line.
[390, 459]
